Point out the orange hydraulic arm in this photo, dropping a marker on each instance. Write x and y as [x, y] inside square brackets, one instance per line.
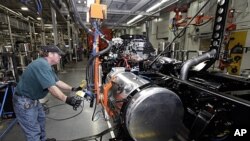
[97, 13]
[106, 89]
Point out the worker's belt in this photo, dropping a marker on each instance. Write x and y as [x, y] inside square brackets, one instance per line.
[28, 105]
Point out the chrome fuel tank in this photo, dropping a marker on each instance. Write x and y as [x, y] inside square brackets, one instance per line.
[151, 113]
[154, 114]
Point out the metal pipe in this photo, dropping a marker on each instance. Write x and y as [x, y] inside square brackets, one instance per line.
[187, 65]
[13, 12]
[52, 2]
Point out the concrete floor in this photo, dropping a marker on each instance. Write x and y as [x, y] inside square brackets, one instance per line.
[74, 128]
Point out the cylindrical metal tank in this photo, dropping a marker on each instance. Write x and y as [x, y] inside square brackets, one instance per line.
[151, 113]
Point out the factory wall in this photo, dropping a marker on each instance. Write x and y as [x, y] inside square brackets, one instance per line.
[196, 37]
[242, 21]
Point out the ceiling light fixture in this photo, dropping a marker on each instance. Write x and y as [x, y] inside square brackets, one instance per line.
[87, 17]
[79, 1]
[153, 9]
[134, 19]
[89, 2]
[39, 18]
[24, 8]
[156, 6]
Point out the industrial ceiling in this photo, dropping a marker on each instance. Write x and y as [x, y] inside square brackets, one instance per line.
[119, 12]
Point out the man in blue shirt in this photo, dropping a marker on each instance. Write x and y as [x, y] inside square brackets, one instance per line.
[36, 81]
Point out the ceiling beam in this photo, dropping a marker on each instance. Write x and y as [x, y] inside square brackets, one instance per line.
[126, 12]
[108, 2]
[115, 24]
[82, 9]
[139, 5]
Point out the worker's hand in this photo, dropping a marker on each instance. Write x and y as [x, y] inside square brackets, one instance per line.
[74, 101]
[74, 89]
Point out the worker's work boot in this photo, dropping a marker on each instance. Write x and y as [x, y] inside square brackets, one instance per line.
[50, 139]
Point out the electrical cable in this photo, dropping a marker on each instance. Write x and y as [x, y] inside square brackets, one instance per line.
[203, 23]
[61, 119]
[95, 137]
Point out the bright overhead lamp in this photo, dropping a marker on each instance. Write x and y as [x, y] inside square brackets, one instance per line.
[89, 2]
[134, 19]
[24, 8]
[87, 17]
[156, 6]
[39, 18]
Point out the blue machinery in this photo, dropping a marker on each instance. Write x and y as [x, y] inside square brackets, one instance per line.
[6, 87]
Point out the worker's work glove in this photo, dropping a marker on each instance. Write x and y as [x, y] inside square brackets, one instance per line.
[74, 101]
[74, 89]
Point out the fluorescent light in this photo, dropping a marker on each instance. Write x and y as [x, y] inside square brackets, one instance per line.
[150, 10]
[134, 19]
[24, 8]
[153, 7]
[156, 6]
[48, 25]
[39, 18]
[89, 2]
[87, 17]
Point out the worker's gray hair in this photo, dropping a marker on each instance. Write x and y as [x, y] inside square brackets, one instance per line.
[43, 53]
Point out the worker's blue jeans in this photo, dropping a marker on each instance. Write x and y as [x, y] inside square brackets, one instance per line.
[31, 117]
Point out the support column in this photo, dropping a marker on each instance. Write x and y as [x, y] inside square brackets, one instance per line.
[43, 41]
[54, 22]
[31, 38]
[12, 62]
[69, 39]
[74, 42]
[34, 31]
[10, 32]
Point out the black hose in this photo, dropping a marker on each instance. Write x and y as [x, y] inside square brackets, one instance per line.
[88, 71]
[95, 137]
[61, 119]
[93, 57]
